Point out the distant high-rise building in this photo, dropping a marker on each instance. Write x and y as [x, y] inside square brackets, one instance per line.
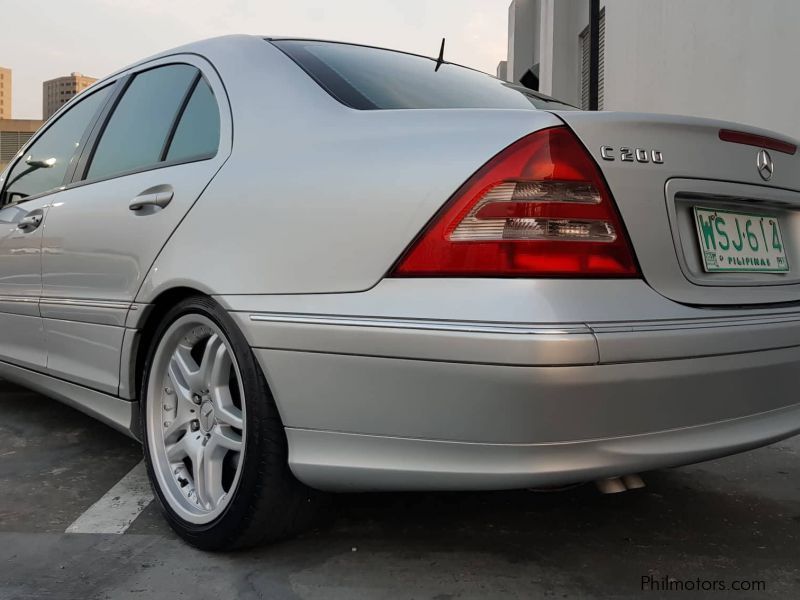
[5, 93]
[57, 92]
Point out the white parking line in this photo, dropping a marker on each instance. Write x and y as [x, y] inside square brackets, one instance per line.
[119, 507]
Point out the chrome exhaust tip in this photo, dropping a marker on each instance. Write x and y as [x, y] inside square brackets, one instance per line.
[612, 485]
[633, 482]
[617, 485]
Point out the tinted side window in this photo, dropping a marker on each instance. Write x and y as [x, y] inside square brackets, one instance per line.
[134, 138]
[45, 163]
[197, 134]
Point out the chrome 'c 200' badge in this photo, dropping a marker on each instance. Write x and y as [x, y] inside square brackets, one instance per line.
[630, 154]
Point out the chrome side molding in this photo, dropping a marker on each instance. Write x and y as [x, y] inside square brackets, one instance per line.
[25, 299]
[86, 303]
[429, 325]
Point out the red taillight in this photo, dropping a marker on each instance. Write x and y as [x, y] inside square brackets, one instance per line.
[540, 208]
[759, 141]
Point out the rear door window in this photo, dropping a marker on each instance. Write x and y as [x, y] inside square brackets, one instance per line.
[374, 79]
[197, 133]
[136, 136]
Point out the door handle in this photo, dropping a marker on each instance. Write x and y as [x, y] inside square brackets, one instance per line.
[159, 199]
[30, 222]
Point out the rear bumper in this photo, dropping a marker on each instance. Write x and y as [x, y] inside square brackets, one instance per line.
[347, 462]
[378, 402]
[366, 423]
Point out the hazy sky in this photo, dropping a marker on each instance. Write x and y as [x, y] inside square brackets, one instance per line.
[43, 39]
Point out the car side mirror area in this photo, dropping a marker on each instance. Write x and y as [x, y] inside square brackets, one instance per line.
[46, 163]
[8, 198]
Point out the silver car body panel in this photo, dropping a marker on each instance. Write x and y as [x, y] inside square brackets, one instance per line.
[386, 383]
[23, 339]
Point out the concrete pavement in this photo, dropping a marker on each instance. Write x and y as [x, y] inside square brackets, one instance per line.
[736, 519]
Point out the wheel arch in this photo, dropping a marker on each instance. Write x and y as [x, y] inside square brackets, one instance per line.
[144, 334]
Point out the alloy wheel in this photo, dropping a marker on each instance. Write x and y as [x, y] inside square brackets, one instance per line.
[196, 418]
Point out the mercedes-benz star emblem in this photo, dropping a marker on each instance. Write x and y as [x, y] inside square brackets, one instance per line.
[206, 417]
[765, 165]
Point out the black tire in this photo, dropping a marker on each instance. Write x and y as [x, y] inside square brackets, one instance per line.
[269, 503]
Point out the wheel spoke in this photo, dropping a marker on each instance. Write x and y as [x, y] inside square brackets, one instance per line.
[212, 476]
[214, 357]
[179, 450]
[180, 423]
[184, 372]
[182, 393]
[225, 437]
[224, 409]
[217, 362]
[198, 458]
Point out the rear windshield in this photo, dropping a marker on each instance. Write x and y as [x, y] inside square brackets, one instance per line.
[375, 79]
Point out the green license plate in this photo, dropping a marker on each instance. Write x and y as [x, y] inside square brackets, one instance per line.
[740, 242]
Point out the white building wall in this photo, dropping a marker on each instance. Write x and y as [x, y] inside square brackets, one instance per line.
[523, 50]
[547, 32]
[559, 34]
[730, 59]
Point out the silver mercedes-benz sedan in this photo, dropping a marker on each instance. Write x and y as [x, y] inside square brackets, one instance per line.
[291, 265]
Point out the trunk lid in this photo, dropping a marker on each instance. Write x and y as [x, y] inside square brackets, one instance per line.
[675, 164]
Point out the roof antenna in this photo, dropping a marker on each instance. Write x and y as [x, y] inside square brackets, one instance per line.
[440, 60]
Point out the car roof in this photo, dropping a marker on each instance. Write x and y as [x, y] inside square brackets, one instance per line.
[210, 46]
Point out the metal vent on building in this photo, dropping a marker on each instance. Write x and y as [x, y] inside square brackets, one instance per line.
[11, 142]
[585, 46]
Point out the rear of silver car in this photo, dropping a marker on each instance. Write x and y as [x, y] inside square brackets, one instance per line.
[391, 373]
[448, 282]
[465, 382]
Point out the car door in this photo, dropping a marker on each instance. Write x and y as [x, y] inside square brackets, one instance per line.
[164, 137]
[27, 189]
